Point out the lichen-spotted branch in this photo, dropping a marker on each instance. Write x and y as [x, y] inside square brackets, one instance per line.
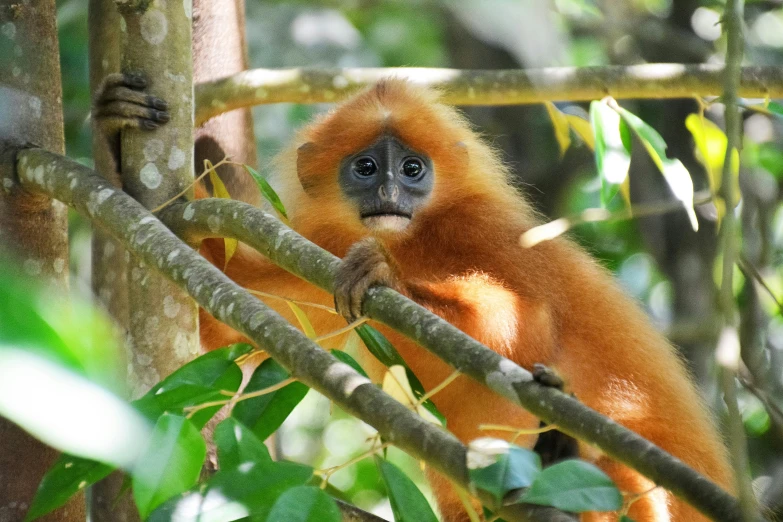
[485, 87]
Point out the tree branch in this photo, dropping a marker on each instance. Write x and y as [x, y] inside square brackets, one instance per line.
[219, 217]
[155, 245]
[485, 87]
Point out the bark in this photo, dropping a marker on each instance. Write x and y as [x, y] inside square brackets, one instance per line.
[156, 166]
[33, 227]
[485, 87]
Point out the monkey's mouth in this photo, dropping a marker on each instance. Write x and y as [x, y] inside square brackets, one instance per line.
[390, 221]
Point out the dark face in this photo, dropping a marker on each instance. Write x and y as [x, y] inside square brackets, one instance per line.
[388, 181]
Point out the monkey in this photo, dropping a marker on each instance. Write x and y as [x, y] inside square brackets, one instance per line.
[400, 186]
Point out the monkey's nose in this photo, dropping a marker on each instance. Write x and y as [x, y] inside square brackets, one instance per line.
[389, 192]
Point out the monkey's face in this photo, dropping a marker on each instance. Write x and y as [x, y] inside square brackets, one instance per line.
[388, 182]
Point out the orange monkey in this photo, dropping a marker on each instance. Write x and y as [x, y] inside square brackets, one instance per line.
[400, 187]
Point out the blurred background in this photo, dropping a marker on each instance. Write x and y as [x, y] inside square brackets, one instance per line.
[659, 259]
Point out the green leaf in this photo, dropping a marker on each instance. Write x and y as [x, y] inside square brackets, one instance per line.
[78, 336]
[264, 414]
[249, 491]
[513, 468]
[68, 412]
[626, 518]
[407, 502]
[379, 346]
[612, 156]
[67, 476]
[582, 128]
[199, 381]
[267, 191]
[770, 157]
[304, 504]
[237, 445]
[574, 485]
[384, 351]
[171, 464]
[350, 361]
[674, 172]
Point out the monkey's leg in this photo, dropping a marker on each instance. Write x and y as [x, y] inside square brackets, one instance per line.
[122, 103]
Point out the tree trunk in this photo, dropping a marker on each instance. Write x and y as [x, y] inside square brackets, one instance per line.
[157, 166]
[33, 228]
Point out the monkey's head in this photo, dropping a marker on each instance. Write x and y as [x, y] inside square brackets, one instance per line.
[385, 160]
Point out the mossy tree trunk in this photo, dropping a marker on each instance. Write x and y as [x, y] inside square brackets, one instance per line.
[33, 228]
[156, 166]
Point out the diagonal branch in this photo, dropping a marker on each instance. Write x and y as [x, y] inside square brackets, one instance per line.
[155, 245]
[485, 87]
[258, 229]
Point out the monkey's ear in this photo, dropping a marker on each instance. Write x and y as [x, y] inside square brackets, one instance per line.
[304, 158]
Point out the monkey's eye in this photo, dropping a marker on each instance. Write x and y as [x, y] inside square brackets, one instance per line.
[412, 167]
[365, 167]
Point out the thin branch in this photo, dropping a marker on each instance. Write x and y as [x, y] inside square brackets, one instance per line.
[728, 353]
[484, 87]
[752, 272]
[299, 256]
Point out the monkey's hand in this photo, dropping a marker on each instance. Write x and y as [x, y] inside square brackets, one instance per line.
[365, 265]
[122, 103]
[553, 446]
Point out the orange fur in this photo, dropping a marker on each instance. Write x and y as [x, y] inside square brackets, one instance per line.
[461, 258]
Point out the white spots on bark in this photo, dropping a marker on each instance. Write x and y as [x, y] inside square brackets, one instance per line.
[38, 174]
[8, 183]
[123, 24]
[8, 30]
[35, 105]
[505, 377]
[188, 213]
[150, 176]
[16, 71]
[214, 222]
[174, 77]
[154, 27]
[171, 307]
[103, 195]
[187, 5]
[153, 149]
[59, 265]
[176, 158]
[350, 380]
[143, 359]
[33, 267]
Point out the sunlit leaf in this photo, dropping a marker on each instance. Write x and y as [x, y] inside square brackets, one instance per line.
[234, 494]
[560, 125]
[498, 467]
[574, 485]
[711, 145]
[304, 504]
[267, 191]
[407, 502]
[612, 158]
[582, 128]
[204, 379]
[170, 465]
[264, 414]
[65, 478]
[674, 172]
[770, 158]
[67, 411]
[238, 445]
[395, 383]
[304, 321]
[219, 191]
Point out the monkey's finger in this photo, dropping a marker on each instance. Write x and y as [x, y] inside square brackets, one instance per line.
[124, 94]
[132, 80]
[111, 125]
[546, 376]
[131, 111]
